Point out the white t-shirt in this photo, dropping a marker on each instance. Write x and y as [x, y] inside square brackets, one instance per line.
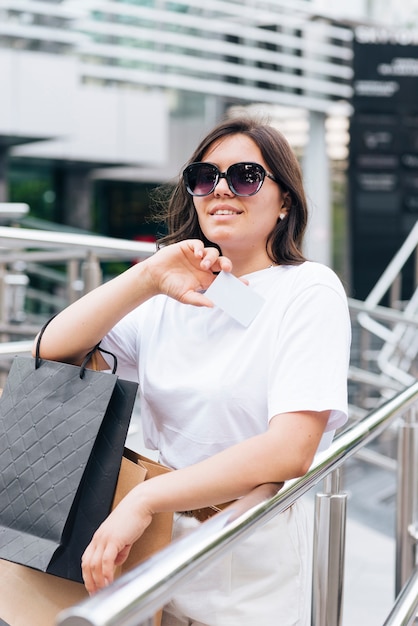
[207, 382]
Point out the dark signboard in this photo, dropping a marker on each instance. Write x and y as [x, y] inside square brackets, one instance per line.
[383, 171]
[385, 67]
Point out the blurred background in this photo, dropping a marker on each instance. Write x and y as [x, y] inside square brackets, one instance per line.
[102, 101]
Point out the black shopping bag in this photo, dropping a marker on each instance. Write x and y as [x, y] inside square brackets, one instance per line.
[62, 435]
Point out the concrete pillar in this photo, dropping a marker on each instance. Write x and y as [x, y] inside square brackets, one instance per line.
[73, 187]
[4, 152]
[317, 179]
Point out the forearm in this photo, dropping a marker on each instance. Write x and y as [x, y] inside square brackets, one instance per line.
[79, 327]
[285, 451]
[221, 478]
[182, 271]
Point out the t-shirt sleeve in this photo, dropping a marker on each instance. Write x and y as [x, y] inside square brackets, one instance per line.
[310, 360]
[122, 341]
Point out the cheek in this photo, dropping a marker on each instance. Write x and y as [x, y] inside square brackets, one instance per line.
[200, 212]
[265, 219]
[198, 206]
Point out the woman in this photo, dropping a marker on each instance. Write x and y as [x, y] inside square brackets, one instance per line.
[229, 406]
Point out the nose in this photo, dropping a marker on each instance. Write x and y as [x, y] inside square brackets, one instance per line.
[222, 186]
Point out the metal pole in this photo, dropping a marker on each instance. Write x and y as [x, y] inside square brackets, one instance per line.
[74, 283]
[316, 172]
[407, 500]
[91, 272]
[329, 553]
[395, 292]
[404, 611]
[4, 154]
[3, 288]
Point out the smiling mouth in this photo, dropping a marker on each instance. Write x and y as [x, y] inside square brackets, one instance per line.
[225, 212]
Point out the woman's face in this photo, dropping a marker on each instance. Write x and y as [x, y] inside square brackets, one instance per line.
[239, 225]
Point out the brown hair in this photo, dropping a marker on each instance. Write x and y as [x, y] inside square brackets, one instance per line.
[284, 244]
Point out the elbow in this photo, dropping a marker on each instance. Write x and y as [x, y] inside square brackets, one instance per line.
[296, 467]
[302, 465]
[303, 468]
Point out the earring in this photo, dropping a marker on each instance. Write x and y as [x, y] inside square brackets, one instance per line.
[282, 216]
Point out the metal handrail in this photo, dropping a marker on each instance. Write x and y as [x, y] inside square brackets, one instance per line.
[394, 268]
[10, 237]
[382, 312]
[135, 597]
[82, 253]
[10, 348]
[404, 610]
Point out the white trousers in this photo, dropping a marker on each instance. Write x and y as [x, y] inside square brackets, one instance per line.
[264, 581]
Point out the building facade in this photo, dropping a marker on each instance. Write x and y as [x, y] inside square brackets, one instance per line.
[104, 99]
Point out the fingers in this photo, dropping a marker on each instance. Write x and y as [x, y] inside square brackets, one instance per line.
[225, 264]
[98, 565]
[185, 270]
[197, 298]
[210, 257]
[112, 542]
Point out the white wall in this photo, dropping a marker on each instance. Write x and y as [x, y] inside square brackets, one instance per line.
[37, 92]
[349, 9]
[110, 126]
[42, 97]
[395, 13]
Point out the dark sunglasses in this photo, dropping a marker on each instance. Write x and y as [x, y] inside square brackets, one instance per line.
[244, 179]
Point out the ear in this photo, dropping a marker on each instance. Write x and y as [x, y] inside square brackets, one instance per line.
[286, 204]
[286, 200]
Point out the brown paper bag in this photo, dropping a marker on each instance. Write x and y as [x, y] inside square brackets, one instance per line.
[29, 597]
[134, 469]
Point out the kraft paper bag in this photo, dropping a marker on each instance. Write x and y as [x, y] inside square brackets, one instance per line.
[29, 597]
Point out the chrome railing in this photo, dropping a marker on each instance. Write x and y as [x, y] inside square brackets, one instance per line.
[404, 610]
[134, 598]
[34, 253]
[105, 247]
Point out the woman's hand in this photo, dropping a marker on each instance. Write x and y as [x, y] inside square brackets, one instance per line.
[111, 543]
[183, 270]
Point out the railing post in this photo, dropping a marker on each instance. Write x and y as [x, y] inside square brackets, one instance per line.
[74, 282]
[329, 553]
[3, 289]
[91, 272]
[407, 500]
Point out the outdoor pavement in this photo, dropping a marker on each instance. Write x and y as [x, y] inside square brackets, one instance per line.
[370, 537]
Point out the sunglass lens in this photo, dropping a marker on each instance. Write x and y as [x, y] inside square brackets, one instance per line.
[200, 178]
[246, 178]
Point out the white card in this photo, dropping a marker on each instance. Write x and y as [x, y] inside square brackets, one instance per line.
[232, 296]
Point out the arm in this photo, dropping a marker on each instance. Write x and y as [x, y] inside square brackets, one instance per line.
[179, 271]
[284, 451]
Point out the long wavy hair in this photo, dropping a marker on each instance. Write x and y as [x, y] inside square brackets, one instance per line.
[284, 244]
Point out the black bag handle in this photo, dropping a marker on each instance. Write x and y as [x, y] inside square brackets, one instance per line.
[90, 354]
[86, 359]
